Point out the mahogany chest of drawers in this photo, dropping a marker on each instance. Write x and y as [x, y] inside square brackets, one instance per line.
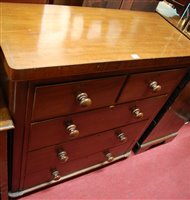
[77, 125]
[83, 90]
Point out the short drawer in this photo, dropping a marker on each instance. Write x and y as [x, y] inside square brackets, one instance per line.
[55, 131]
[45, 175]
[66, 152]
[61, 99]
[145, 85]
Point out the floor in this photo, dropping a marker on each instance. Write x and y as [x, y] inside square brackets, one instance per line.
[160, 173]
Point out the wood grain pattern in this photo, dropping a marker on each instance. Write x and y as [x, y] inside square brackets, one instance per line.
[37, 47]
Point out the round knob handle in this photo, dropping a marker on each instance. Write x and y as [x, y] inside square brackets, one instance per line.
[155, 86]
[109, 157]
[56, 175]
[84, 100]
[73, 132]
[63, 156]
[122, 137]
[137, 113]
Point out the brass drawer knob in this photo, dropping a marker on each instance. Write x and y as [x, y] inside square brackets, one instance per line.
[73, 132]
[63, 156]
[84, 100]
[109, 157]
[155, 86]
[122, 137]
[56, 175]
[137, 113]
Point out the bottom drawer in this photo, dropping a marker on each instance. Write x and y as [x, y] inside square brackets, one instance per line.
[46, 176]
[48, 157]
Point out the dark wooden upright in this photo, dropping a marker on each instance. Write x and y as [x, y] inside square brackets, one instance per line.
[5, 125]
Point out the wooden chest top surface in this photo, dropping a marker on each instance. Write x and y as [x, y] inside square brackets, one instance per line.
[37, 37]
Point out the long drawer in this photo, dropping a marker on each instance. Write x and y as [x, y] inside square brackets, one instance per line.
[45, 175]
[145, 85]
[55, 131]
[65, 152]
[61, 99]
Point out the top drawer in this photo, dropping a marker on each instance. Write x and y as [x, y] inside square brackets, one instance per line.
[61, 99]
[145, 85]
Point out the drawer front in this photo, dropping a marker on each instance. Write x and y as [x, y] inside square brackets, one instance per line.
[45, 175]
[61, 99]
[145, 85]
[66, 152]
[55, 131]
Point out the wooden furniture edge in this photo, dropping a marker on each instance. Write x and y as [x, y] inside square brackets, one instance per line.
[112, 67]
[5, 124]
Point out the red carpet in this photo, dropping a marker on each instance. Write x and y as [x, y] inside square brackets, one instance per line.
[160, 173]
